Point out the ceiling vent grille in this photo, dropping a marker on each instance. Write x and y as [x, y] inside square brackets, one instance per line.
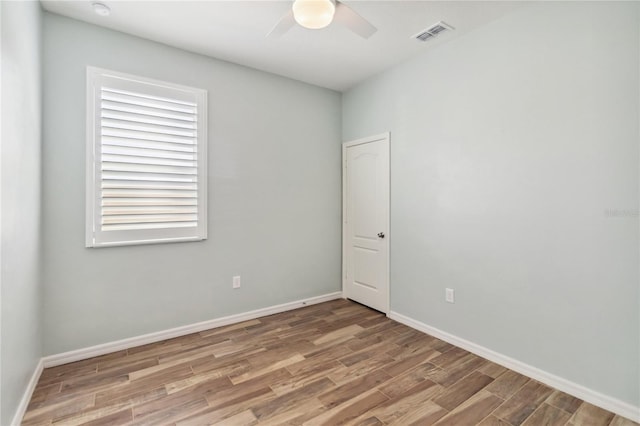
[432, 31]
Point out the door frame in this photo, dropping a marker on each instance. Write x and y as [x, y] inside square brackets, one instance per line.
[386, 138]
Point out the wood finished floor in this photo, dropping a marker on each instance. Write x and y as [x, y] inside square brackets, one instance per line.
[327, 364]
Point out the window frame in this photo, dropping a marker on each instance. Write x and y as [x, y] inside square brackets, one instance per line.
[96, 237]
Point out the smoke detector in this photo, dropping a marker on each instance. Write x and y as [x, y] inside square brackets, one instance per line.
[101, 9]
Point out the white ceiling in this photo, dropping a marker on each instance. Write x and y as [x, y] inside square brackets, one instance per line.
[332, 57]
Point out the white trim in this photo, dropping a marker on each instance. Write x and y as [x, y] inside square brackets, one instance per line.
[105, 348]
[26, 397]
[593, 397]
[386, 137]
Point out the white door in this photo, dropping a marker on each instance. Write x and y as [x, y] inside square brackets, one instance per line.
[365, 186]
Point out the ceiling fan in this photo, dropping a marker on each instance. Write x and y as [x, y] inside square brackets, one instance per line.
[316, 14]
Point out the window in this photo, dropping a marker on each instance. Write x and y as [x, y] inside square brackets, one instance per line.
[146, 161]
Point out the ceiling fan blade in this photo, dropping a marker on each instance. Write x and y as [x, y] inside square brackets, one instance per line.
[356, 23]
[285, 24]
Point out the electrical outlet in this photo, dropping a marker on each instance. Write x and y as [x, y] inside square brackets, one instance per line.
[236, 281]
[449, 296]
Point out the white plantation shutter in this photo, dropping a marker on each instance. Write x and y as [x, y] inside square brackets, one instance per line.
[146, 161]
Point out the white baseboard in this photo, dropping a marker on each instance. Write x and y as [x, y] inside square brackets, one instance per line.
[603, 401]
[105, 348]
[26, 397]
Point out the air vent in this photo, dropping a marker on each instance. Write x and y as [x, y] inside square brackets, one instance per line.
[432, 31]
[424, 36]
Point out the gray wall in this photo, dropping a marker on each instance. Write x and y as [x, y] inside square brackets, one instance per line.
[274, 196]
[515, 181]
[21, 333]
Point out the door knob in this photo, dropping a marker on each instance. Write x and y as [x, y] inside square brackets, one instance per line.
[380, 234]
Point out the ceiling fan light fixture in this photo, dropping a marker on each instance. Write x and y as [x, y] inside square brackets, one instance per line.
[313, 14]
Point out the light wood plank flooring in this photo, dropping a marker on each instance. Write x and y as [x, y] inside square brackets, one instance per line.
[328, 364]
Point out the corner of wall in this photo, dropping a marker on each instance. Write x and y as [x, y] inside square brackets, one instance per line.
[20, 201]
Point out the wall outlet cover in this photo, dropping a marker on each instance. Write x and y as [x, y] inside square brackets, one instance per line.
[236, 281]
[449, 295]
